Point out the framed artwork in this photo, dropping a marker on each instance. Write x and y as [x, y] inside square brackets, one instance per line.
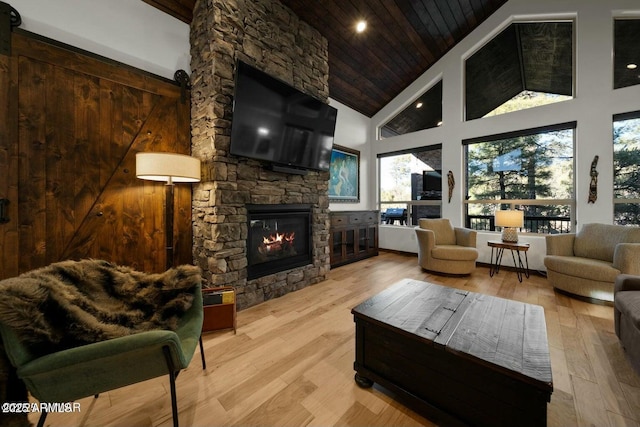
[344, 175]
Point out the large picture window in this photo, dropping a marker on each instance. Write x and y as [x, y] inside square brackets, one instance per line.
[626, 168]
[410, 185]
[528, 64]
[626, 53]
[424, 112]
[530, 170]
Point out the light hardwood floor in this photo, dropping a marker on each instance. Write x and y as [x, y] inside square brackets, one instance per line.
[291, 362]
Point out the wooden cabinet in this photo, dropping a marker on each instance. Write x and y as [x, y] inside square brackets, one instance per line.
[353, 235]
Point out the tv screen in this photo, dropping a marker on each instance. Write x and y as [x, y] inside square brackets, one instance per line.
[277, 123]
[432, 180]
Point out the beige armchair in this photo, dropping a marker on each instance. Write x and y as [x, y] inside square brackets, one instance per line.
[446, 249]
[587, 263]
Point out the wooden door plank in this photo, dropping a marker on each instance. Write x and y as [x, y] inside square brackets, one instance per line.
[9, 160]
[111, 129]
[61, 171]
[32, 168]
[86, 150]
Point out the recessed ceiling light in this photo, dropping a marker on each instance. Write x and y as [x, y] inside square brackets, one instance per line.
[419, 105]
[632, 66]
[361, 26]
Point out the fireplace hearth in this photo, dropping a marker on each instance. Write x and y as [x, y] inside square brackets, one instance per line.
[279, 238]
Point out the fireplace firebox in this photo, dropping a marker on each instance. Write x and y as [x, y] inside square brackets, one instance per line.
[279, 238]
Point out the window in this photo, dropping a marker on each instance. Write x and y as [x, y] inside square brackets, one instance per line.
[530, 170]
[626, 169]
[423, 113]
[410, 185]
[626, 53]
[526, 65]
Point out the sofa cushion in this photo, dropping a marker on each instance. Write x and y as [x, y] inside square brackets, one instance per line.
[629, 304]
[598, 241]
[442, 228]
[454, 253]
[587, 268]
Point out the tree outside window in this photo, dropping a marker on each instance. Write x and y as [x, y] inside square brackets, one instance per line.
[532, 169]
[626, 169]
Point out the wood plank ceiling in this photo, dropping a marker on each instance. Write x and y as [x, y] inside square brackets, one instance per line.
[402, 40]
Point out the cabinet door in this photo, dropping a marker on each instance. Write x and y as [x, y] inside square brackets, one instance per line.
[337, 246]
[372, 239]
[363, 239]
[350, 242]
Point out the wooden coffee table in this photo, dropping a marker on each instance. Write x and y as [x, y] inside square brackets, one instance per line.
[457, 357]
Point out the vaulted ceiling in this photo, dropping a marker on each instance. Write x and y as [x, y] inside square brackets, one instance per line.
[402, 40]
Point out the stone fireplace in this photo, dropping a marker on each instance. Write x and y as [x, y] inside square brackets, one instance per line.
[267, 35]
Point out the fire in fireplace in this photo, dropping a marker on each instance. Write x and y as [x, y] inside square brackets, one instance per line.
[278, 245]
[279, 238]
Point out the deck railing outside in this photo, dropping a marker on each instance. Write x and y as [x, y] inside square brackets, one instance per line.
[532, 224]
[541, 224]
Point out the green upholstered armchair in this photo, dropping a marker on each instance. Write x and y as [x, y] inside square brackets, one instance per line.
[95, 368]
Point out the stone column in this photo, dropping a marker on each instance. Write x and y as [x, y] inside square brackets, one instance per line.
[268, 36]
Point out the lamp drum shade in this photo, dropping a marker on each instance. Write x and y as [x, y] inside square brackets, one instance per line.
[167, 167]
[510, 218]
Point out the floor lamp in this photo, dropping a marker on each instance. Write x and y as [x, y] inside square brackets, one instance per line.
[170, 168]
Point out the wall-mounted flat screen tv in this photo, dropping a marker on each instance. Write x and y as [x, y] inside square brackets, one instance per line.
[279, 124]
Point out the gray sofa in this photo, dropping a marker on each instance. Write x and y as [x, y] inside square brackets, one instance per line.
[587, 263]
[627, 315]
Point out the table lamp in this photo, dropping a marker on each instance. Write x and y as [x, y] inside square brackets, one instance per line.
[170, 168]
[509, 220]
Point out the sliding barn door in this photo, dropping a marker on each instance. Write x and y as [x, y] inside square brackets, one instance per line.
[70, 126]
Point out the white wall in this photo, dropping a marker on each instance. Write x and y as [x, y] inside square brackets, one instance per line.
[352, 131]
[594, 105]
[132, 32]
[128, 31]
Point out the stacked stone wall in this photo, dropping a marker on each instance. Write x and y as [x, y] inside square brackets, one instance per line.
[268, 36]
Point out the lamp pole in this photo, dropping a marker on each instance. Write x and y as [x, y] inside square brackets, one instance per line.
[168, 215]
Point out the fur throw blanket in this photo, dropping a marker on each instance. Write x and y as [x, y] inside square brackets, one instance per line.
[72, 303]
